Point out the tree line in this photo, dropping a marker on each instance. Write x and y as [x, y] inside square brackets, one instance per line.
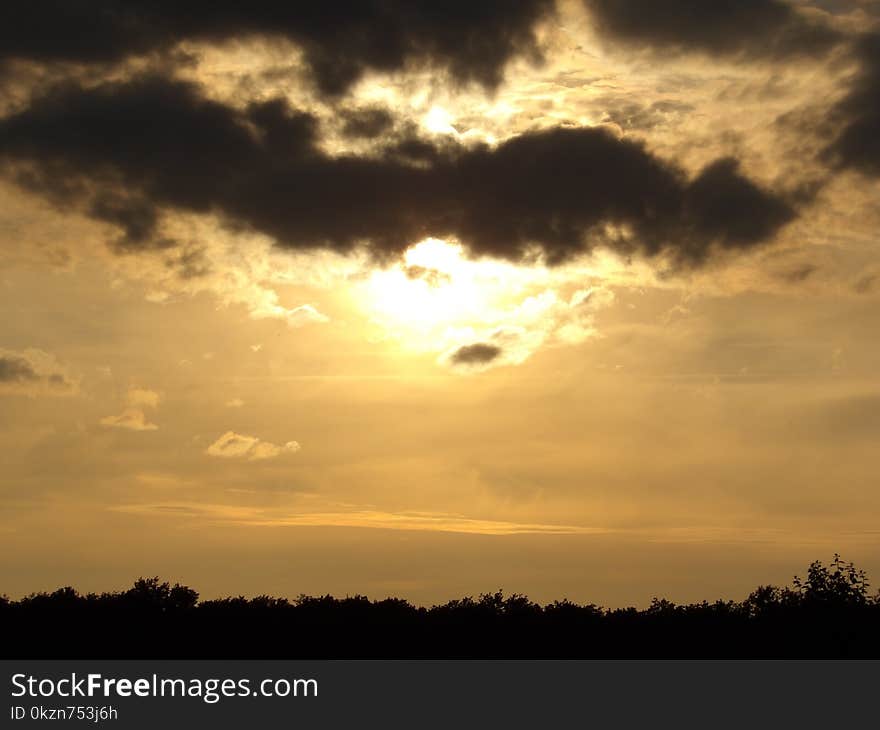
[828, 613]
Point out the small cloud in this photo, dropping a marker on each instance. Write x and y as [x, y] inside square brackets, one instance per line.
[596, 297]
[33, 372]
[303, 315]
[16, 370]
[296, 317]
[235, 403]
[266, 450]
[157, 297]
[257, 347]
[479, 353]
[432, 277]
[232, 445]
[545, 319]
[131, 419]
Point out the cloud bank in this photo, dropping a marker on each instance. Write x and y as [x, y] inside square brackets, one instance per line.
[127, 152]
[339, 42]
[748, 29]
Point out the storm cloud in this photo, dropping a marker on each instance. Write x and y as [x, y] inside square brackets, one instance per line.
[769, 29]
[125, 152]
[857, 146]
[340, 41]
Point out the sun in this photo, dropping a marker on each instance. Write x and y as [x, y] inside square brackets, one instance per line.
[433, 286]
[438, 299]
[439, 121]
[435, 292]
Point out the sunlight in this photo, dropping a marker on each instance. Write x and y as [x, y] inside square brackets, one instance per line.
[436, 299]
[439, 121]
[434, 286]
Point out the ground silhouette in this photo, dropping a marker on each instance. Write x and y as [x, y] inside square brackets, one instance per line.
[828, 613]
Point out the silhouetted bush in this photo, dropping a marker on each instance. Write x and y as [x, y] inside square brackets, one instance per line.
[829, 613]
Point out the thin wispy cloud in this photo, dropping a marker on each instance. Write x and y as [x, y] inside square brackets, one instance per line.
[372, 519]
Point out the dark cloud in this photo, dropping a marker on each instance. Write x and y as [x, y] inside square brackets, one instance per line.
[562, 188]
[723, 206]
[472, 39]
[127, 151]
[30, 372]
[367, 122]
[136, 217]
[16, 370]
[189, 263]
[857, 146]
[750, 28]
[798, 274]
[433, 277]
[479, 353]
[838, 7]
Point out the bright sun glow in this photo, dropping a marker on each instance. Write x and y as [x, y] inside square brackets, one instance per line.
[437, 299]
[435, 287]
[439, 121]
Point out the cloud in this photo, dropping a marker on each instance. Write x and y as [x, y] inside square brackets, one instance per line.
[721, 205]
[303, 315]
[33, 372]
[434, 277]
[339, 41]
[455, 302]
[799, 273]
[16, 369]
[131, 419]
[769, 29]
[232, 445]
[559, 191]
[366, 122]
[234, 403]
[479, 353]
[857, 145]
[374, 519]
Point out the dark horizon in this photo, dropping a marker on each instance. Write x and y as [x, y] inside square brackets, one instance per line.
[828, 613]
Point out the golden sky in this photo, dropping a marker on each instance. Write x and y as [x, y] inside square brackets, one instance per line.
[577, 299]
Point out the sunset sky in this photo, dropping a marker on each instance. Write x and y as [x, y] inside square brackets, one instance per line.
[427, 299]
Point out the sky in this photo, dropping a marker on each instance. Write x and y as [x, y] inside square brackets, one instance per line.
[573, 299]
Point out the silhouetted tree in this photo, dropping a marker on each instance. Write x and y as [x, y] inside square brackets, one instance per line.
[840, 584]
[829, 613]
